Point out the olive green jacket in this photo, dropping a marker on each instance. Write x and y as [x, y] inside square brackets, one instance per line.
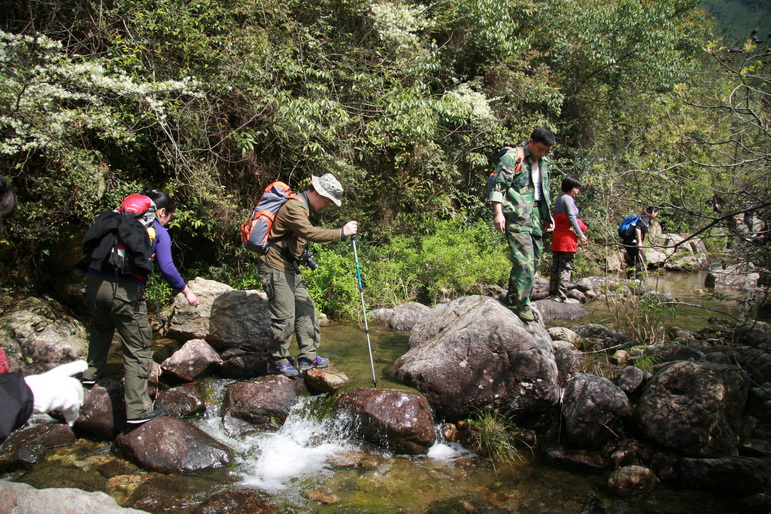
[516, 194]
[292, 224]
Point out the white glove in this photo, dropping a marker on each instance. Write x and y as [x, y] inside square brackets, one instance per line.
[56, 390]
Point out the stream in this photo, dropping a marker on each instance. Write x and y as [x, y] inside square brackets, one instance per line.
[314, 465]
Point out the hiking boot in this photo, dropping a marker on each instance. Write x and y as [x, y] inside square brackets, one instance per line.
[286, 369]
[306, 364]
[157, 413]
[526, 315]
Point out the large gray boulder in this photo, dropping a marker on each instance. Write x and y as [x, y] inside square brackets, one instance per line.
[18, 497]
[472, 352]
[740, 476]
[225, 317]
[694, 408]
[743, 277]
[37, 330]
[400, 421]
[192, 361]
[594, 410]
[403, 317]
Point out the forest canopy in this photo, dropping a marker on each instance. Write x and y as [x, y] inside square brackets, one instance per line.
[405, 102]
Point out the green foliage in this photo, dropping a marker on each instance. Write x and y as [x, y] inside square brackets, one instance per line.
[645, 360]
[644, 318]
[405, 103]
[496, 436]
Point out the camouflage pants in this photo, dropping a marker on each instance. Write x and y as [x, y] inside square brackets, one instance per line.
[561, 271]
[525, 254]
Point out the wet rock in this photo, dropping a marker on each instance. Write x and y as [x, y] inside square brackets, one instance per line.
[354, 460]
[551, 310]
[669, 352]
[225, 317]
[24, 448]
[663, 465]
[626, 453]
[581, 459]
[594, 409]
[239, 363]
[755, 448]
[598, 284]
[737, 276]
[756, 362]
[568, 360]
[472, 351]
[597, 337]
[172, 493]
[326, 380]
[562, 334]
[19, 497]
[400, 421]
[631, 379]
[170, 445]
[694, 408]
[103, 413]
[620, 357]
[755, 335]
[182, 400]
[37, 330]
[323, 497]
[631, 480]
[576, 294]
[403, 317]
[740, 476]
[464, 504]
[192, 361]
[260, 404]
[235, 502]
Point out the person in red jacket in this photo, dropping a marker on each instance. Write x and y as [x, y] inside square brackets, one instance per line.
[568, 230]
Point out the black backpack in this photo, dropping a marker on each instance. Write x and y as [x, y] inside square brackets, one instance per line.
[121, 240]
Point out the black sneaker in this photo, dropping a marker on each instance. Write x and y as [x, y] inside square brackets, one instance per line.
[88, 383]
[157, 413]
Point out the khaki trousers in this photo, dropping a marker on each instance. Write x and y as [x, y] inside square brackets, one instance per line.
[291, 312]
[119, 304]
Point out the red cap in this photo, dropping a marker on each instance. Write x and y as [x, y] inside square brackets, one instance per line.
[136, 204]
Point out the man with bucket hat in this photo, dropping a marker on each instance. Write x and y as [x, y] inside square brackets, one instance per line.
[291, 307]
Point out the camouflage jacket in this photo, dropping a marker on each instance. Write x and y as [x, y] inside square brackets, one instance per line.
[516, 194]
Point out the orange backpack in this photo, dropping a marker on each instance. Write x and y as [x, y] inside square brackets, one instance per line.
[517, 166]
[255, 232]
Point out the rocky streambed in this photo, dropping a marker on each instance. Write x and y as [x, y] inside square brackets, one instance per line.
[606, 424]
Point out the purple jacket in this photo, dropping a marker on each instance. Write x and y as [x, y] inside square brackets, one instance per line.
[162, 255]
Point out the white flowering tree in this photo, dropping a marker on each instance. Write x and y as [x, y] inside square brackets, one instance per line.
[65, 121]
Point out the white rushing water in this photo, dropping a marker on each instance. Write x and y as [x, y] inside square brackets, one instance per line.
[301, 450]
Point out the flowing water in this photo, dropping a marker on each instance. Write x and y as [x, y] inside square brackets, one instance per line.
[313, 464]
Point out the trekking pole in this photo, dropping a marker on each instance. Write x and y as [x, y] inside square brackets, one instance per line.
[364, 309]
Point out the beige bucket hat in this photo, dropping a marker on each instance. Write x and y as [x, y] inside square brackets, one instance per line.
[328, 186]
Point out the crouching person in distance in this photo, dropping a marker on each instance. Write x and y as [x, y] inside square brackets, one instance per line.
[291, 307]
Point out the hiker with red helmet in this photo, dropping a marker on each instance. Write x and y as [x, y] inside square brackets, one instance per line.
[120, 248]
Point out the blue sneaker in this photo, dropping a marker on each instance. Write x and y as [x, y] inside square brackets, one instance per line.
[306, 364]
[287, 370]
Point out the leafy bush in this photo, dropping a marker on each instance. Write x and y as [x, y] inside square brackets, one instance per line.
[643, 318]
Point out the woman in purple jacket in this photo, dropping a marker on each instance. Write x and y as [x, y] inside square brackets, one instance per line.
[164, 209]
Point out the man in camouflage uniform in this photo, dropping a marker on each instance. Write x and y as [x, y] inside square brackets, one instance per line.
[521, 208]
